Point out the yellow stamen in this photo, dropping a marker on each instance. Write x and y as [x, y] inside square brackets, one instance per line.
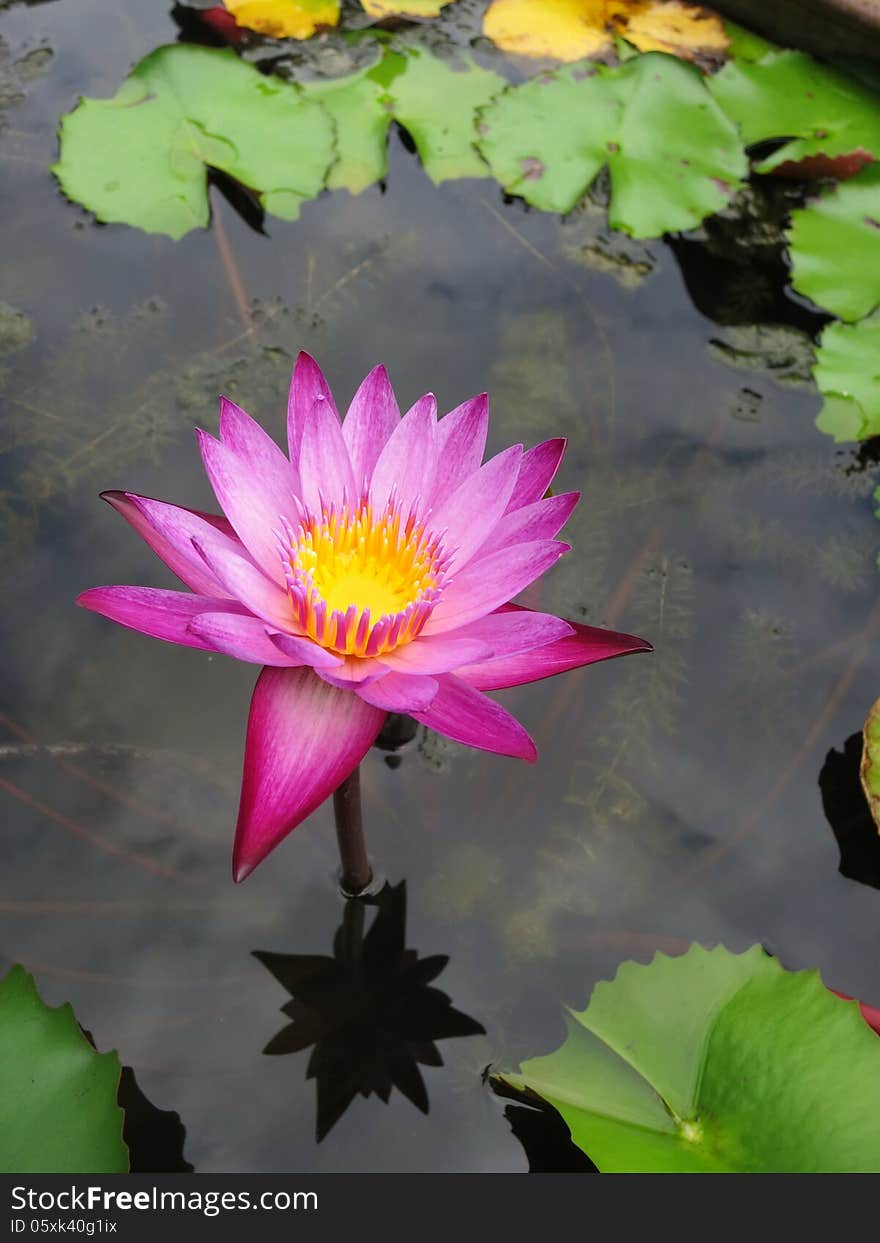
[346, 564]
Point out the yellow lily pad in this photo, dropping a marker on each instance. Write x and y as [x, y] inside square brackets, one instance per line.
[570, 30]
[403, 8]
[284, 19]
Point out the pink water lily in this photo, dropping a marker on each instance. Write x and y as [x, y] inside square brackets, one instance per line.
[369, 572]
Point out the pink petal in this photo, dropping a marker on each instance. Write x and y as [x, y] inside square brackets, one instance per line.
[408, 462]
[372, 417]
[469, 514]
[244, 582]
[540, 520]
[587, 645]
[514, 629]
[400, 692]
[353, 671]
[490, 581]
[324, 464]
[303, 651]
[463, 714]
[254, 497]
[168, 529]
[461, 442]
[307, 383]
[243, 637]
[539, 465]
[160, 614]
[303, 739]
[436, 654]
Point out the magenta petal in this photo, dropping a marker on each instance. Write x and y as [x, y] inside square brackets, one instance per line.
[372, 417]
[488, 582]
[246, 583]
[307, 384]
[400, 692]
[168, 529]
[303, 651]
[254, 498]
[539, 465]
[463, 714]
[541, 520]
[461, 442]
[324, 464]
[441, 653]
[514, 629]
[468, 515]
[352, 671]
[587, 645]
[408, 462]
[241, 636]
[160, 614]
[303, 739]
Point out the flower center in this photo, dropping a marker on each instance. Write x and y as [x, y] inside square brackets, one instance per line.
[362, 584]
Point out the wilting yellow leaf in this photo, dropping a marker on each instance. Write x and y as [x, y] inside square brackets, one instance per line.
[403, 8]
[572, 29]
[682, 29]
[284, 19]
[561, 29]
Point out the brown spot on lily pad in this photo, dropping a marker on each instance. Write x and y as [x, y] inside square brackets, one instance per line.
[578, 75]
[872, 223]
[613, 147]
[532, 167]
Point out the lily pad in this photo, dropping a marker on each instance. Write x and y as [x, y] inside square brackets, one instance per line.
[58, 1110]
[789, 95]
[674, 157]
[848, 374]
[434, 100]
[569, 30]
[142, 156]
[713, 1062]
[437, 103]
[284, 19]
[870, 766]
[835, 247]
[403, 8]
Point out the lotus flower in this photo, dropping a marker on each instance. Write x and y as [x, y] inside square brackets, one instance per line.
[370, 572]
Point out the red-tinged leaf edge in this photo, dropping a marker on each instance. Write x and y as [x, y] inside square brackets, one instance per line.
[870, 1014]
[222, 23]
[821, 167]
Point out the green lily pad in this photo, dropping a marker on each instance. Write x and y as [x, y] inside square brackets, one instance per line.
[58, 1111]
[715, 1062]
[360, 105]
[674, 157]
[870, 765]
[434, 100]
[835, 247]
[847, 371]
[745, 44]
[142, 156]
[790, 95]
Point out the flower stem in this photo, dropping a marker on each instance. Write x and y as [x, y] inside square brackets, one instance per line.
[356, 873]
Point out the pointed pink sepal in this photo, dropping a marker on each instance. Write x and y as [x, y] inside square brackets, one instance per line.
[304, 737]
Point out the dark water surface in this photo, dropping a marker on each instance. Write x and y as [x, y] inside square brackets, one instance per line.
[676, 796]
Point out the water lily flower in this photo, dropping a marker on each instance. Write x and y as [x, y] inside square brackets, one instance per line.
[369, 572]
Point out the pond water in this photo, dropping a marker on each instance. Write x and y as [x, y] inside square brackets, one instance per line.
[676, 796]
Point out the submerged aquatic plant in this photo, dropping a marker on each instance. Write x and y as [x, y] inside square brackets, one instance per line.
[369, 572]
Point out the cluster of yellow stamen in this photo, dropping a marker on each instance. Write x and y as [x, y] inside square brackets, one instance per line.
[362, 583]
